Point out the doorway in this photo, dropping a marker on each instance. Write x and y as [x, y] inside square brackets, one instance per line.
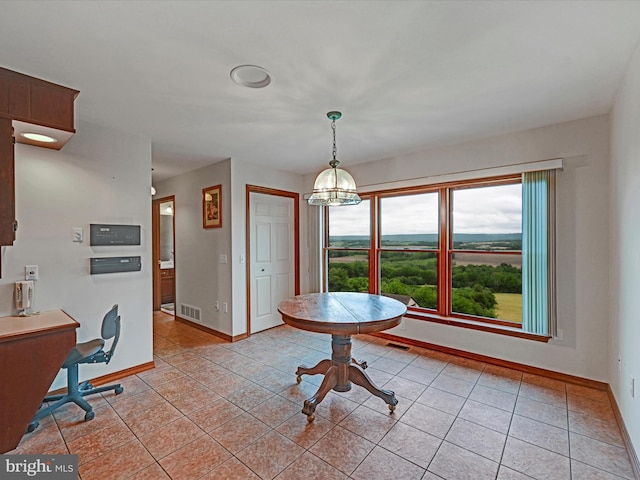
[163, 223]
[272, 254]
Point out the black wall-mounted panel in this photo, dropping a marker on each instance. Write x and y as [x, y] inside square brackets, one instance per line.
[115, 265]
[102, 235]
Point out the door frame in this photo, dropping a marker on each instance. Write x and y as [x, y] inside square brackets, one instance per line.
[155, 241]
[296, 239]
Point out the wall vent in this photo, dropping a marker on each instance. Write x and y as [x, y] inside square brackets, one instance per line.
[395, 345]
[189, 312]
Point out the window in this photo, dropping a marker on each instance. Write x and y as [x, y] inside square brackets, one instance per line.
[486, 251]
[451, 252]
[349, 243]
[408, 253]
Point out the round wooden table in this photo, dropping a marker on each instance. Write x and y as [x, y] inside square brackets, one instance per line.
[341, 314]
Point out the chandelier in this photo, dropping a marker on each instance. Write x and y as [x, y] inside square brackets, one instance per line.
[334, 186]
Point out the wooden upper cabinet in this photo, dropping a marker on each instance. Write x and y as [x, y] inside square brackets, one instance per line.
[52, 105]
[16, 101]
[37, 106]
[32, 100]
[7, 184]
[28, 104]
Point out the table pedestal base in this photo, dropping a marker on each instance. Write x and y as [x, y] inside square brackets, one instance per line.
[338, 373]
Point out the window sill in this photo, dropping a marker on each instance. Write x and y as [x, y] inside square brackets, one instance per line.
[474, 325]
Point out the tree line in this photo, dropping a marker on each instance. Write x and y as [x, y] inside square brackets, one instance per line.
[415, 274]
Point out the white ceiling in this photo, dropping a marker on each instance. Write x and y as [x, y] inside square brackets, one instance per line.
[407, 75]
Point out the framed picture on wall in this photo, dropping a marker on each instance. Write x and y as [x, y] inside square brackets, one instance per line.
[212, 207]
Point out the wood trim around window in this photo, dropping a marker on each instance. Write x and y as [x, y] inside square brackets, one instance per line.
[482, 326]
[444, 313]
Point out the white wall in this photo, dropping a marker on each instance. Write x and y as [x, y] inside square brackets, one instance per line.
[200, 278]
[582, 240]
[100, 176]
[243, 174]
[625, 250]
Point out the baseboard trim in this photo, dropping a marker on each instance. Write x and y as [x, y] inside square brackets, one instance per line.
[216, 333]
[242, 336]
[115, 376]
[111, 377]
[563, 377]
[626, 438]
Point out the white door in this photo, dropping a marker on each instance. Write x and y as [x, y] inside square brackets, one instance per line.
[272, 257]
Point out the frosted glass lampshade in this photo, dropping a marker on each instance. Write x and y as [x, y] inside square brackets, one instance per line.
[334, 187]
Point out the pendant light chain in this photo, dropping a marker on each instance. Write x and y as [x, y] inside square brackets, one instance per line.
[333, 127]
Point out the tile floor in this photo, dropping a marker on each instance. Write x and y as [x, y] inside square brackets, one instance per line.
[215, 410]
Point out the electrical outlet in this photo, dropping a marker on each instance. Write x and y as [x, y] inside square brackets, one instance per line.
[31, 272]
[217, 306]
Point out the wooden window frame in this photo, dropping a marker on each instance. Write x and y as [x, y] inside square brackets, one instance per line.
[443, 313]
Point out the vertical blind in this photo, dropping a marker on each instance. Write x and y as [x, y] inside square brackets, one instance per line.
[538, 253]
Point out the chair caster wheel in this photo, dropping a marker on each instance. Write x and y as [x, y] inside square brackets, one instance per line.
[89, 416]
[298, 379]
[32, 426]
[119, 390]
[311, 418]
[391, 408]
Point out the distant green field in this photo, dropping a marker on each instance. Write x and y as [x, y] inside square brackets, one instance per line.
[509, 306]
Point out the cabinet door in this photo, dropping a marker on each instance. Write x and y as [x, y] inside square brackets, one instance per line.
[19, 98]
[36, 101]
[7, 184]
[51, 106]
[4, 94]
[14, 94]
[167, 285]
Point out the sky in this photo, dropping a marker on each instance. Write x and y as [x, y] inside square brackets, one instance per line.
[494, 209]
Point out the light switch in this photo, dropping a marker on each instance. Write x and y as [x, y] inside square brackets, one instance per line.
[78, 235]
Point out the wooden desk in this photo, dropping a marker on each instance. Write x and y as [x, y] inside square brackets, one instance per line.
[341, 314]
[32, 351]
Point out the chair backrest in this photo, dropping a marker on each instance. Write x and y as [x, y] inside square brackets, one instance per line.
[111, 329]
[109, 326]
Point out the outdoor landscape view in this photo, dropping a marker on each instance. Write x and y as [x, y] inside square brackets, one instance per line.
[483, 284]
[486, 264]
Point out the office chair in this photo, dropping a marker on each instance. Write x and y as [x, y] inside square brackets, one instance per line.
[87, 352]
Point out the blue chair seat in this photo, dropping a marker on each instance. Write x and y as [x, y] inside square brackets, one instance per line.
[82, 351]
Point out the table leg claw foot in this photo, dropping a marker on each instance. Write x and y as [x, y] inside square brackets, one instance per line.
[330, 380]
[362, 364]
[309, 409]
[357, 376]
